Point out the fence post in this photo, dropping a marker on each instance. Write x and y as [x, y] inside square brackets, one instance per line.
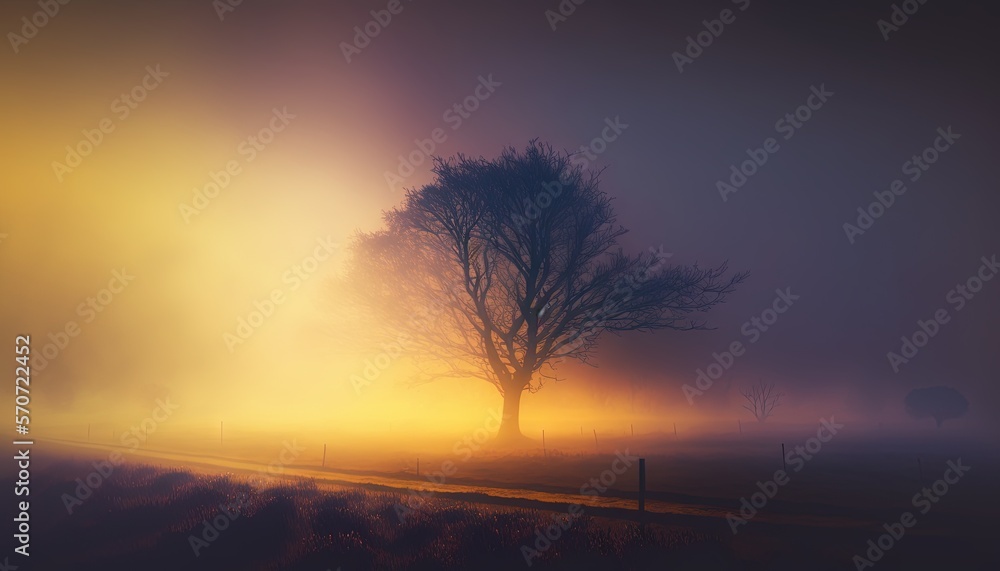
[642, 485]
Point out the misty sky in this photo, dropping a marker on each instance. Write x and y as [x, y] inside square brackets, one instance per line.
[345, 124]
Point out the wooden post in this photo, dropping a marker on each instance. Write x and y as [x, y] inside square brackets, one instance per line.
[642, 485]
[783, 467]
[324, 455]
[595, 438]
[740, 422]
[418, 465]
[544, 453]
[675, 430]
[581, 430]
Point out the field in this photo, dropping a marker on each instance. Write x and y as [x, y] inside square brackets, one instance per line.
[144, 517]
[490, 510]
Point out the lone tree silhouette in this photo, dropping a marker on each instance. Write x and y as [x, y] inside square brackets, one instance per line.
[761, 400]
[501, 268]
[939, 403]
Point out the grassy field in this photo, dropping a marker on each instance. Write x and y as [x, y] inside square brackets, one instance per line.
[151, 514]
[143, 517]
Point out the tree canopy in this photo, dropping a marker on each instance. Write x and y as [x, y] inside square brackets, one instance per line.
[939, 403]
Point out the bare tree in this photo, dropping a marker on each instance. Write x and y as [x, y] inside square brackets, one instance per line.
[501, 268]
[761, 400]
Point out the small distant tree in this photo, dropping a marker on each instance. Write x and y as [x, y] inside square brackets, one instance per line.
[939, 403]
[761, 400]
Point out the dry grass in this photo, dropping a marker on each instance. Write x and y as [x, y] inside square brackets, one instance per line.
[142, 516]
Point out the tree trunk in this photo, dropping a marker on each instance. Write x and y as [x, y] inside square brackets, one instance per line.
[510, 427]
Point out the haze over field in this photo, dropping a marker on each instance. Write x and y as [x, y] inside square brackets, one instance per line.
[313, 136]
